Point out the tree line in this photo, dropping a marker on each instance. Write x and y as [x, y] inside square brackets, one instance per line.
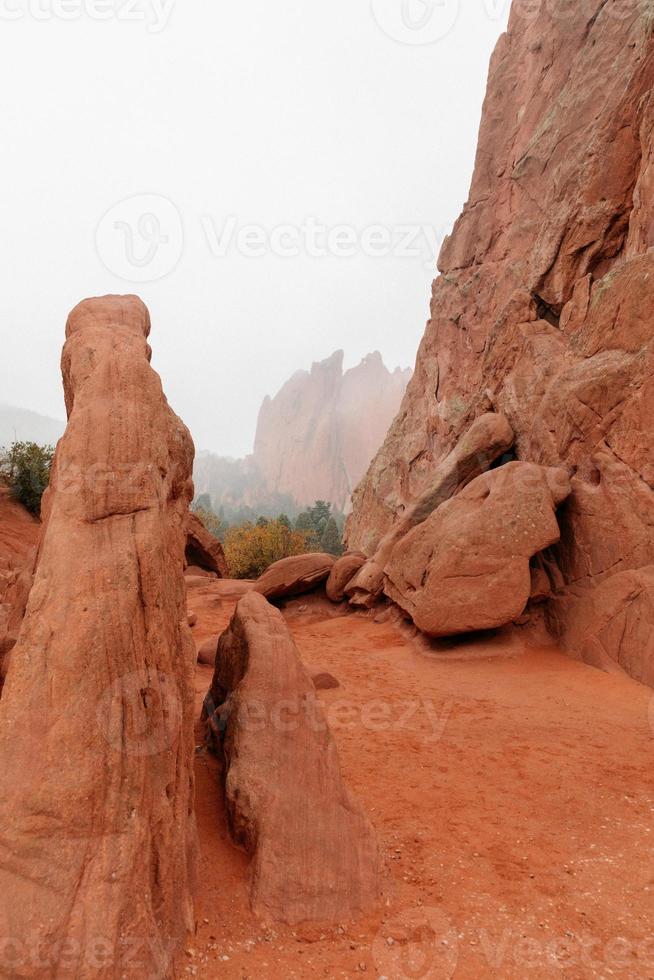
[252, 545]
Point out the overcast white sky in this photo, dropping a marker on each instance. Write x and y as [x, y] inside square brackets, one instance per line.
[290, 116]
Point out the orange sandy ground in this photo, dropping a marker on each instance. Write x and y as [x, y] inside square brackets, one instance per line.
[512, 792]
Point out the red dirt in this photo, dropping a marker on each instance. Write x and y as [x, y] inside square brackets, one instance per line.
[512, 793]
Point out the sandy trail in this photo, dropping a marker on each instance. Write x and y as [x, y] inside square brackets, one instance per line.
[512, 792]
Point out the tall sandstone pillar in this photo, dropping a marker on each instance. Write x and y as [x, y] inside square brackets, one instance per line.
[97, 837]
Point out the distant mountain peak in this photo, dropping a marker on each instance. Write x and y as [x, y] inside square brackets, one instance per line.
[315, 437]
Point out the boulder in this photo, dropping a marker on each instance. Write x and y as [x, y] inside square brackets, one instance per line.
[488, 438]
[195, 581]
[96, 717]
[467, 568]
[203, 550]
[342, 573]
[314, 854]
[295, 575]
[207, 652]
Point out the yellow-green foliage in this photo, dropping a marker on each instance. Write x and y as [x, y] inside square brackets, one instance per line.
[251, 548]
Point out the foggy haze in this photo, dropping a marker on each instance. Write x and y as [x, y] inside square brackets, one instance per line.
[273, 178]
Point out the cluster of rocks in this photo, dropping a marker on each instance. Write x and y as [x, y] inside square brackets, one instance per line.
[467, 555]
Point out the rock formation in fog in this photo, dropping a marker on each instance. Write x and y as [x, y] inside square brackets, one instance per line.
[314, 439]
[543, 313]
[97, 836]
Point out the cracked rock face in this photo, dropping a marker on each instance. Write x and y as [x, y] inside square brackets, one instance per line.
[314, 853]
[97, 837]
[542, 310]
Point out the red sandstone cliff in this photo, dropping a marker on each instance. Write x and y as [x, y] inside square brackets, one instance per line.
[542, 312]
[317, 435]
[314, 439]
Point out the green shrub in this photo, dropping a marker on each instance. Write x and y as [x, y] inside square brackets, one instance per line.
[26, 469]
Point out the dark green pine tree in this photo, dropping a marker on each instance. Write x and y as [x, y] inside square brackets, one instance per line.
[331, 540]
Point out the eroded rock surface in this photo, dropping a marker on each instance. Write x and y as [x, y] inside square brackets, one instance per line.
[314, 854]
[543, 308]
[295, 575]
[19, 537]
[466, 568]
[342, 573]
[97, 836]
[207, 651]
[203, 550]
[487, 439]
